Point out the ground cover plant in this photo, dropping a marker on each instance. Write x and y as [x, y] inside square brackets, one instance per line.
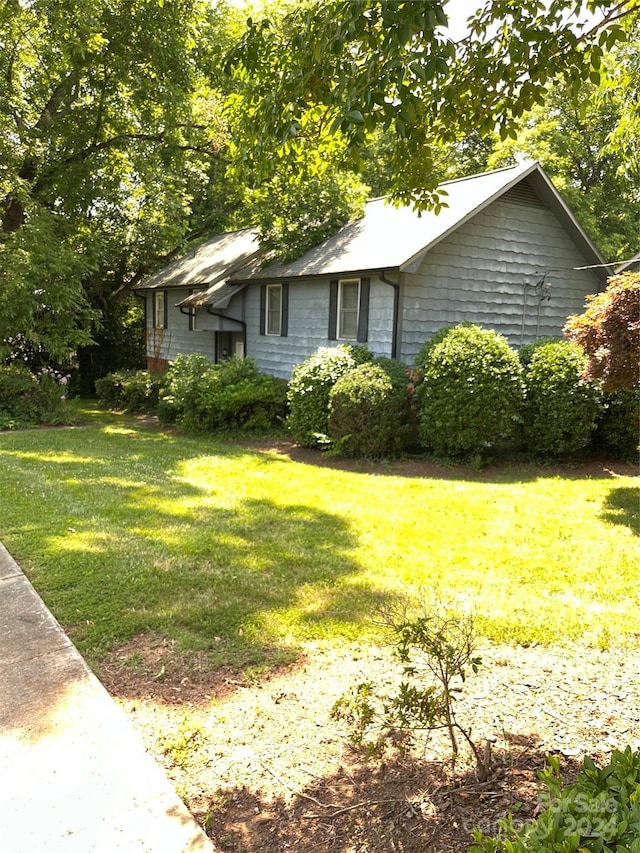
[190, 571]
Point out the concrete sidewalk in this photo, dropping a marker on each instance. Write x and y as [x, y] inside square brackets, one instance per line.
[74, 777]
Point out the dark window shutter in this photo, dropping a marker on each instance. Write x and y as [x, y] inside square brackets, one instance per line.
[263, 309]
[363, 314]
[165, 315]
[333, 309]
[284, 325]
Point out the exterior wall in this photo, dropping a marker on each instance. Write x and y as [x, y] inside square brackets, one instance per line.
[486, 273]
[163, 345]
[308, 325]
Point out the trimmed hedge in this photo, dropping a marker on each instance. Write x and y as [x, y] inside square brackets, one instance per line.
[471, 393]
[366, 413]
[309, 388]
[561, 408]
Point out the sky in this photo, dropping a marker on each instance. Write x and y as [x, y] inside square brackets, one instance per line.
[459, 10]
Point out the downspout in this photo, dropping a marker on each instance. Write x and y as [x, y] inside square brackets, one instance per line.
[396, 311]
[241, 323]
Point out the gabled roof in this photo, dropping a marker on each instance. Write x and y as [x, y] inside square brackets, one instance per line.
[211, 262]
[629, 266]
[397, 238]
[386, 238]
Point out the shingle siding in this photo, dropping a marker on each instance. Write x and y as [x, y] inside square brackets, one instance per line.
[309, 325]
[177, 338]
[483, 271]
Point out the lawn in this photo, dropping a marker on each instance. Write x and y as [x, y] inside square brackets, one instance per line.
[247, 554]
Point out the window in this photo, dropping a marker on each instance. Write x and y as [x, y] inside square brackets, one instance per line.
[273, 315]
[348, 309]
[160, 309]
[274, 309]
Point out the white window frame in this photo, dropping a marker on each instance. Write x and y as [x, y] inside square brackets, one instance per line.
[341, 336]
[159, 309]
[269, 313]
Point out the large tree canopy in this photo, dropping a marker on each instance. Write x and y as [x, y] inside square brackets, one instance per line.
[107, 132]
[348, 68]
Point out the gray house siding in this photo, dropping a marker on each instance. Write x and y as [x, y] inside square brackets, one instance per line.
[308, 326]
[166, 344]
[179, 338]
[486, 272]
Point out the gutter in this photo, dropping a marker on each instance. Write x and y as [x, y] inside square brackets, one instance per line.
[395, 330]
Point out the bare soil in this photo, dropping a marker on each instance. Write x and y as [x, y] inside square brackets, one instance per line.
[264, 769]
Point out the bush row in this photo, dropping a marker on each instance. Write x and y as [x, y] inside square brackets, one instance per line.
[468, 391]
[199, 396]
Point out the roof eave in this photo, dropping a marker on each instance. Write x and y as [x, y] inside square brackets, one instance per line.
[276, 279]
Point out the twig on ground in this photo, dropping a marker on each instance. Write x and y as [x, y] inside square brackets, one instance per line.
[343, 809]
[290, 788]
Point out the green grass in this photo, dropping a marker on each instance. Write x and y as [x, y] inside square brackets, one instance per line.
[125, 530]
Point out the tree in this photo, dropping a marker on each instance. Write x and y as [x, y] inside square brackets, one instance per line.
[572, 137]
[609, 333]
[342, 70]
[108, 132]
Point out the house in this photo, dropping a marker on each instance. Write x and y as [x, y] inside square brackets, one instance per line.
[506, 253]
[632, 265]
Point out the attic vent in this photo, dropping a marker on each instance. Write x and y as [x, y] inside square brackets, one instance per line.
[523, 193]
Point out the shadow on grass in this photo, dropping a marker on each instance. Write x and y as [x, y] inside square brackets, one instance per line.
[410, 806]
[494, 470]
[622, 506]
[128, 539]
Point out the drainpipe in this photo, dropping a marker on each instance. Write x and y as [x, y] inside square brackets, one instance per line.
[396, 311]
[241, 323]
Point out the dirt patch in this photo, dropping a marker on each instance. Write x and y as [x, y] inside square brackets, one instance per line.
[419, 466]
[265, 770]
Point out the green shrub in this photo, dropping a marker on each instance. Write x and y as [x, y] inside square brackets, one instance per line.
[180, 387]
[21, 401]
[27, 399]
[15, 381]
[308, 395]
[561, 408]
[396, 370]
[234, 395]
[436, 338]
[366, 413]
[599, 812]
[130, 390]
[525, 353]
[618, 428]
[436, 648]
[471, 393]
